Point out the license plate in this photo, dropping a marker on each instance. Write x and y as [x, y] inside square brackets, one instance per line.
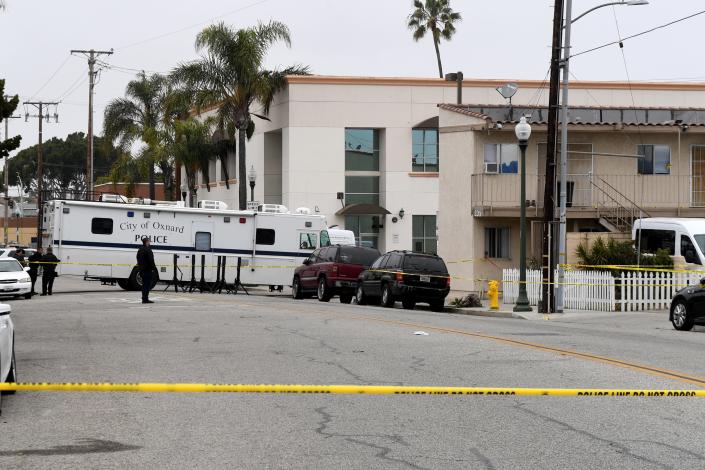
[425, 278]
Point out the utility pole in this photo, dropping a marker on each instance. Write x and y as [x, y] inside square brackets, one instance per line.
[549, 189]
[6, 180]
[92, 55]
[41, 106]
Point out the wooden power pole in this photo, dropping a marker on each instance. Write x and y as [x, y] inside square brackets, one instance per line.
[549, 199]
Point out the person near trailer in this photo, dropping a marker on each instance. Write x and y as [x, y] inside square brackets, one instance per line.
[48, 262]
[145, 263]
[34, 261]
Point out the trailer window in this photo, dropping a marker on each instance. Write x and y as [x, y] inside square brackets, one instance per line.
[308, 241]
[264, 236]
[102, 226]
[202, 241]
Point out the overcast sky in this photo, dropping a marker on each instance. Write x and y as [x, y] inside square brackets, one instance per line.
[505, 39]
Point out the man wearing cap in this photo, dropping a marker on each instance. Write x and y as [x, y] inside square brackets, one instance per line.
[145, 263]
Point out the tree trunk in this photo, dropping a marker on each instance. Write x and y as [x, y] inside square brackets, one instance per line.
[151, 181]
[177, 180]
[242, 168]
[438, 58]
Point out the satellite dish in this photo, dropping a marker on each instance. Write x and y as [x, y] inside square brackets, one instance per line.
[508, 90]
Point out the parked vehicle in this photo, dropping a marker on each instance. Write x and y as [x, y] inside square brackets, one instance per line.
[98, 240]
[341, 237]
[680, 236]
[8, 371]
[405, 276]
[14, 280]
[331, 271]
[688, 307]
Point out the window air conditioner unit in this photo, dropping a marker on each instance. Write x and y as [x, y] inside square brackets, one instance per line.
[210, 204]
[491, 168]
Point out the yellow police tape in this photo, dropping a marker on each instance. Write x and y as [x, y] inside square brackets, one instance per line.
[340, 389]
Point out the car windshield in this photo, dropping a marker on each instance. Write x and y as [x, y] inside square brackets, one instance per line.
[424, 264]
[700, 240]
[9, 266]
[357, 255]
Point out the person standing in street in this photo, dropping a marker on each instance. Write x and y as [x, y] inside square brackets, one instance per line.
[49, 261]
[145, 263]
[18, 254]
[34, 261]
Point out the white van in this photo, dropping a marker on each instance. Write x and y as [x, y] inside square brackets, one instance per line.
[680, 236]
[341, 237]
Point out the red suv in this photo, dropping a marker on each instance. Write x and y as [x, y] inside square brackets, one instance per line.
[332, 270]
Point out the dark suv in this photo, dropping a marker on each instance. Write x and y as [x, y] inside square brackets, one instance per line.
[332, 270]
[406, 276]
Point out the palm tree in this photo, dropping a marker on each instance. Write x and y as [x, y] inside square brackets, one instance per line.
[437, 17]
[193, 149]
[230, 76]
[139, 116]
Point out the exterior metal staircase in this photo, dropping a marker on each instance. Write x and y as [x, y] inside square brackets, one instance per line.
[616, 212]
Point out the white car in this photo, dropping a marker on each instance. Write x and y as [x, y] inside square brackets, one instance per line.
[14, 279]
[8, 372]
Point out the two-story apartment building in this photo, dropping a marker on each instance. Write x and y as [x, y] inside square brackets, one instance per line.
[624, 162]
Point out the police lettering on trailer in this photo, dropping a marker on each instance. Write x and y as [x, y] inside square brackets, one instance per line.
[152, 238]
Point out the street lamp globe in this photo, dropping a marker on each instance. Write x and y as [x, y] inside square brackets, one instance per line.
[252, 175]
[523, 130]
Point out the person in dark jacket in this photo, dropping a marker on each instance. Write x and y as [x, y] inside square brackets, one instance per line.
[18, 254]
[49, 262]
[34, 267]
[145, 263]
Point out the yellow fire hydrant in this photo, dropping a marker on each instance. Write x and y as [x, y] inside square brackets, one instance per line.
[493, 294]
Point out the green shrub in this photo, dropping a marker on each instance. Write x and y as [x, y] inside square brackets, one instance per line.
[620, 253]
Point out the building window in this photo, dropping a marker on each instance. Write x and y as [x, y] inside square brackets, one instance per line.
[501, 158]
[366, 229]
[264, 236]
[496, 242]
[423, 234]
[362, 189]
[361, 150]
[656, 161]
[101, 226]
[424, 150]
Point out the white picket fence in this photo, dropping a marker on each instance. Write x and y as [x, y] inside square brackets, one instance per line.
[584, 290]
[597, 290]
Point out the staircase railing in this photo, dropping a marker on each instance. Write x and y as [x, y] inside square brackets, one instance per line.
[620, 210]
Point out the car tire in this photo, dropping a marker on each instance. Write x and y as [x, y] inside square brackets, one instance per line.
[679, 317]
[360, 297]
[409, 304]
[323, 292]
[346, 298]
[12, 375]
[437, 306]
[296, 291]
[135, 280]
[28, 295]
[387, 299]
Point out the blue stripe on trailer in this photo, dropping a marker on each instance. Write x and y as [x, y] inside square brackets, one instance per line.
[190, 249]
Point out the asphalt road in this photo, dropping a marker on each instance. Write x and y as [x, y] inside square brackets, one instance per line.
[97, 334]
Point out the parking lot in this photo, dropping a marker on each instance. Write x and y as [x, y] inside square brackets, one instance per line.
[92, 333]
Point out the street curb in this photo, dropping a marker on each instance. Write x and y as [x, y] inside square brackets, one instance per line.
[483, 312]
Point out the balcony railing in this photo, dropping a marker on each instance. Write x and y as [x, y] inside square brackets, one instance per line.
[661, 192]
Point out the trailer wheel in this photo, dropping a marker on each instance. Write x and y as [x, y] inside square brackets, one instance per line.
[135, 280]
[124, 284]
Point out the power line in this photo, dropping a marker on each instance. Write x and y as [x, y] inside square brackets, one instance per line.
[81, 78]
[51, 78]
[638, 34]
[194, 25]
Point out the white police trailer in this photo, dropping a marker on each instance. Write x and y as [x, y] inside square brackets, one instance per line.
[99, 240]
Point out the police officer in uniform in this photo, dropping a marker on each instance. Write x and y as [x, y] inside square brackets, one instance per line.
[145, 262]
[49, 261]
[34, 267]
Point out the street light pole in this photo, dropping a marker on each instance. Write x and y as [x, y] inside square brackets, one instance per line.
[252, 177]
[565, 64]
[523, 132]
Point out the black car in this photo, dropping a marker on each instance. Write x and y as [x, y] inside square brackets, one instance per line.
[688, 307]
[405, 276]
